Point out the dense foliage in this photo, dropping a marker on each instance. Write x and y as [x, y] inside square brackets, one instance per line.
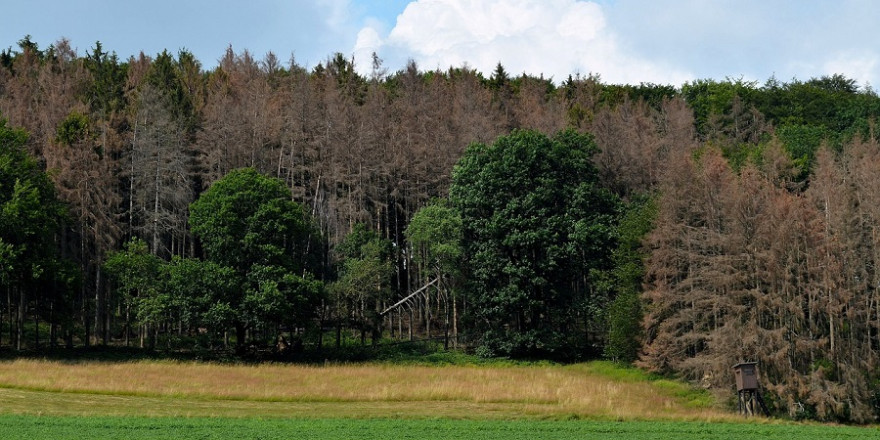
[30, 214]
[156, 200]
[248, 223]
[535, 225]
[259, 269]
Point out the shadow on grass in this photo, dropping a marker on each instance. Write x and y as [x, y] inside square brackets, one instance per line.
[417, 352]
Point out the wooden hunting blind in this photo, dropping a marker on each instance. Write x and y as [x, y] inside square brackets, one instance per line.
[746, 376]
[747, 389]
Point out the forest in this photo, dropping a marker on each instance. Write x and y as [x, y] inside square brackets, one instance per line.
[259, 205]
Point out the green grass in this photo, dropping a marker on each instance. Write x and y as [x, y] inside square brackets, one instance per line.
[136, 428]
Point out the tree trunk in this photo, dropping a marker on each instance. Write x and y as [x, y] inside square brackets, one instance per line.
[127, 324]
[411, 319]
[155, 226]
[98, 305]
[85, 316]
[454, 321]
[321, 326]
[446, 325]
[36, 323]
[108, 316]
[19, 321]
[428, 313]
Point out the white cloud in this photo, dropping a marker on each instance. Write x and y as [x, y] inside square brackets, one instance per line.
[754, 39]
[861, 67]
[555, 38]
[367, 39]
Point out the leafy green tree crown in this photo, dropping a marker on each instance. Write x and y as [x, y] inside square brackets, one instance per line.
[247, 218]
[535, 223]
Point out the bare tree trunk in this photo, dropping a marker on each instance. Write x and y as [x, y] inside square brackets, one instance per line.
[131, 177]
[321, 325]
[98, 305]
[831, 355]
[446, 324]
[454, 321]
[390, 324]
[155, 227]
[428, 314]
[19, 321]
[107, 311]
[363, 322]
[127, 325]
[411, 319]
[36, 323]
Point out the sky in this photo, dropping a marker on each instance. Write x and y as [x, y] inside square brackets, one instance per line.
[622, 41]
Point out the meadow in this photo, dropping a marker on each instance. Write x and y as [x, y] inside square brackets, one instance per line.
[164, 399]
[331, 429]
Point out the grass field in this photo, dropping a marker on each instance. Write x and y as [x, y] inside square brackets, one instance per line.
[160, 388]
[29, 427]
[166, 399]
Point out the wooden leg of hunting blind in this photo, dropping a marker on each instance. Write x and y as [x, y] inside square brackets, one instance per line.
[745, 403]
[760, 400]
[749, 401]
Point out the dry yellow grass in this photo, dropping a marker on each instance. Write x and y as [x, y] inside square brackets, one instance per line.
[171, 388]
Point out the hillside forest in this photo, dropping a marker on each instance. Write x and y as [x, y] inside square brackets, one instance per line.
[262, 206]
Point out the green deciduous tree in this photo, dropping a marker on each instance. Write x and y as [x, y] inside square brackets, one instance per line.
[364, 282]
[535, 224]
[136, 273]
[247, 218]
[248, 223]
[202, 293]
[277, 296]
[30, 215]
[435, 235]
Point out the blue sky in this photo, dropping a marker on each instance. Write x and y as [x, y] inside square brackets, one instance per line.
[624, 41]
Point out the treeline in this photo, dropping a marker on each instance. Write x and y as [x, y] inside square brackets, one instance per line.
[130, 145]
[686, 228]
